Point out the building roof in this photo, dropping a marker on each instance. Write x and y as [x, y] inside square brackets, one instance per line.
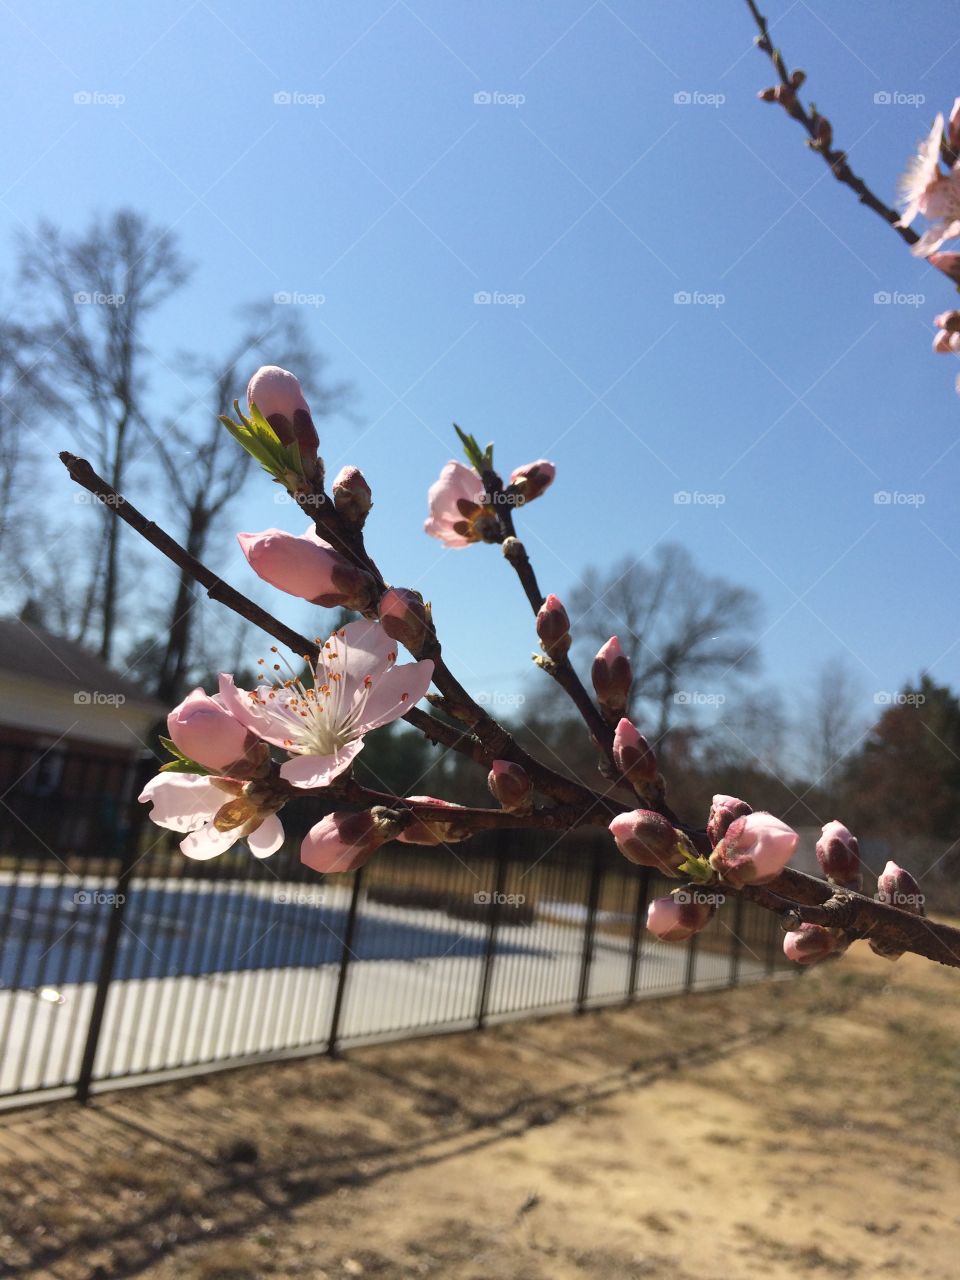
[30, 652]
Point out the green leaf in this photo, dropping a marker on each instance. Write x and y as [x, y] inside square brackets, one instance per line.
[255, 434]
[697, 868]
[480, 459]
[180, 763]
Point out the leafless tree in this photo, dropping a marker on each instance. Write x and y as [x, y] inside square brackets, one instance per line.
[832, 724]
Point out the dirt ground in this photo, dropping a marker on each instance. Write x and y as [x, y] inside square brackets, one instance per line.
[802, 1128]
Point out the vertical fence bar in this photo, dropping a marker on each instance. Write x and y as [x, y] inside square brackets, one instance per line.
[636, 937]
[349, 933]
[493, 920]
[773, 937]
[128, 861]
[593, 898]
[691, 962]
[736, 945]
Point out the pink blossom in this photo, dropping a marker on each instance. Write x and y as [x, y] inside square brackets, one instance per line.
[723, 811]
[948, 263]
[649, 839]
[444, 830]
[813, 942]
[458, 514]
[203, 729]
[216, 812]
[342, 841]
[932, 193]
[839, 856]
[307, 567]
[679, 916]
[898, 888]
[553, 627]
[278, 395]
[355, 687]
[510, 786]
[532, 479]
[612, 677]
[404, 617]
[633, 755]
[755, 849]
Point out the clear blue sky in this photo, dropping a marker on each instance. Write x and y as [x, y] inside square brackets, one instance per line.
[597, 198]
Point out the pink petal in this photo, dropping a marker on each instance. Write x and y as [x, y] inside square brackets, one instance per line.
[182, 801]
[260, 720]
[208, 842]
[317, 771]
[362, 649]
[395, 693]
[267, 838]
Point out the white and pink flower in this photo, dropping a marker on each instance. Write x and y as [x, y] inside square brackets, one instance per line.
[457, 507]
[214, 813]
[356, 687]
[927, 190]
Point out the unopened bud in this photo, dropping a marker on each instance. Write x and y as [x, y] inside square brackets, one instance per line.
[633, 755]
[839, 856]
[612, 677]
[948, 263]
[343, 841]
[768, 95]
[403, 617]
[510, 786]
[723, 811]
[952, 135]
[278, 395]
[897, 888]
[553, 627]
[813, 942]
[444, 829]
[678, 916]
[798, 78]
[648, 839]
[532, 479]
[754, 850]
[351, 496]
[949, 320]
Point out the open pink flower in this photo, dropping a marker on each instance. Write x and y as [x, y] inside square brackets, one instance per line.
[307, 567]
[356, 687]
[205, 731]
[457, 510]
[214, 812]
[928, 191]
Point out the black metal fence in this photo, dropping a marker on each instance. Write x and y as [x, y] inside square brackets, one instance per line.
[121, 960]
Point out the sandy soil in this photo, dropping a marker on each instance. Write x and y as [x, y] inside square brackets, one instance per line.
[796, 1129]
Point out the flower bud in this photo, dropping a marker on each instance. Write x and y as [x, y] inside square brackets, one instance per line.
[510, 786]
[443, 830]
[723, 811]
[403, 617]
[768, 95]
[343, 841]
[651, 840]
[941, 343]
[278, 395]
[813, 942]
[678, 916]
[897, 888]
[948, 263]
[839, 856]
[553, 627]
[308, 567]
[351, 496]
[633, 755]
[798, 78]
[612, 677]
[949, 320]
[529, 481]
[953, 128]
[755, 849]
[205, 731]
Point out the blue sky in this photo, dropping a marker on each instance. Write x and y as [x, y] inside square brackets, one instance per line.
[587, 188]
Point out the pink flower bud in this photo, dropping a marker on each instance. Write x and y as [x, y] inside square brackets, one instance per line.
[813, 942]
[679, 916]
[531, 480]
[404, 617]
[278, 395]
[755, 849]
[723, 811]
[205, 731]
[941, 343]
[553, 627]
[510, 786]
[948, 263]
[650, 840]
[633, 755]
[443, 830]
[949, 320]
[897, 888]
[308, 567]
[343, 841]
[351, 496]
[612, 677]
[839, 856]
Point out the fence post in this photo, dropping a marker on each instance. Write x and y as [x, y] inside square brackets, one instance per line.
[135, 813]
[737, 945]
[593, 898]
[490, 952]
[691, 962]
[346, 952]
[773, 935]
[636, 938]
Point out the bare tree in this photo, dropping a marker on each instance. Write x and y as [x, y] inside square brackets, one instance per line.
[683, 630]
[95, 292]
[832, 725]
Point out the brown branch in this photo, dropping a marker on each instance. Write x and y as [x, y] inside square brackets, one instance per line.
[820, 131]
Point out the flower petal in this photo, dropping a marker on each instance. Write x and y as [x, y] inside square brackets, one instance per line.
[317, 771]
[208, 842]
[263, 721]
[360, 649]
[395, 693]
[267, 838]
[182, 801]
